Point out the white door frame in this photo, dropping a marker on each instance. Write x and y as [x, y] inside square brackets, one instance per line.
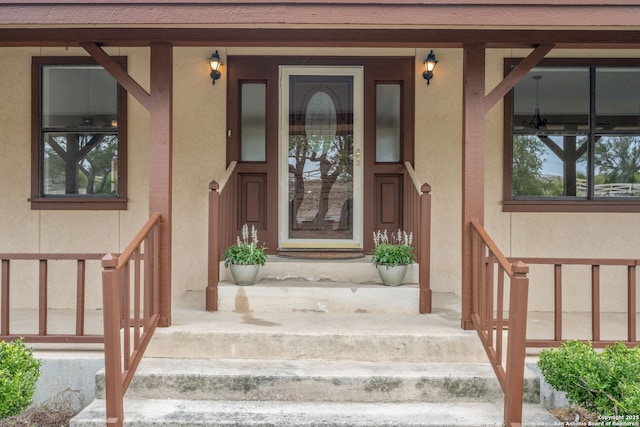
[283, 161]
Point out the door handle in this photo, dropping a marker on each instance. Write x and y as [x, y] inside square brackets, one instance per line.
[358, 156]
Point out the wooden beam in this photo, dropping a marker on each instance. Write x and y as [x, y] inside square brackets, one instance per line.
[160, 163]
[118, 73]
[337, 37]
[516, 75]
[472, 163]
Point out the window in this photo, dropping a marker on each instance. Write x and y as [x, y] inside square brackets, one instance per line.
[79, 135]
[573, 129]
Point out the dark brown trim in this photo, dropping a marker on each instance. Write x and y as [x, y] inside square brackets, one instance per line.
[75, 202]
[318, 37]
[119, 73]
[615, 205]
[515, 75]
[531, 204]
[160, 165]
[473, 165]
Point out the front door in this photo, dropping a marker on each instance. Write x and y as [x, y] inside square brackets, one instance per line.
[320, 157]
[320, 145]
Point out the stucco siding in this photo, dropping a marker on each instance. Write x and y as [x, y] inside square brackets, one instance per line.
[199, 141]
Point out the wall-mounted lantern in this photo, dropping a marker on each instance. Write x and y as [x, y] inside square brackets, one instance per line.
[429, 65]
[215, 63]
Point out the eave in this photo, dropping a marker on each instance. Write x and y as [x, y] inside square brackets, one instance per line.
[318, 37]
[495, 13]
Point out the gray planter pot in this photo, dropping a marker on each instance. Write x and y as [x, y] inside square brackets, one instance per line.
[392, 276]
[244, 274]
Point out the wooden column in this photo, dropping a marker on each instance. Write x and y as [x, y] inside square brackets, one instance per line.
[472, 162]
[160, 163]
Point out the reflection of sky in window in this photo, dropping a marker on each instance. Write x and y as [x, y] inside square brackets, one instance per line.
[553, 165]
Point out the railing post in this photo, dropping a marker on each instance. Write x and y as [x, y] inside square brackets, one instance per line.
[43, 294]
[4, 296]
[214, 251]
[112, 351]
[424, 277]
[516, 347]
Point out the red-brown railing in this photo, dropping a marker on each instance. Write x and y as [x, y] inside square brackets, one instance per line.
[128, 327]
[220, 231]
[418, 219]
[40, 264]
[496, 320]
[594, 265]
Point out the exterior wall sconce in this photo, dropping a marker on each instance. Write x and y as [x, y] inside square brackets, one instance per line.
[215, 63]
[429, 65]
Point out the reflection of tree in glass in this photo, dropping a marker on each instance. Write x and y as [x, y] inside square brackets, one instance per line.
[299, 152]
[81, 161]
[528, 160]
[618, 159]
[331, 154]
[334, 162]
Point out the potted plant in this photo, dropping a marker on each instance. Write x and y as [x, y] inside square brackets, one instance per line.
[392, 256]
[245, 257]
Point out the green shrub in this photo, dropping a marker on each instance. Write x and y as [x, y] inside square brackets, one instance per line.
[19, 371]
[607, 383]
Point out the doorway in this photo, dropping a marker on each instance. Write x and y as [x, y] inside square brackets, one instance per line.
[320, 145]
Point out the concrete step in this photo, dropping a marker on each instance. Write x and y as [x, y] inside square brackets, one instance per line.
[317, 381]
[188, 413]
[295, 295]
[318, 336]
[359, 270]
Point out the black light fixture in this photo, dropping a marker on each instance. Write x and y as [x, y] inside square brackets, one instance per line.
[215, 63]
[429, 65]
[536, 121]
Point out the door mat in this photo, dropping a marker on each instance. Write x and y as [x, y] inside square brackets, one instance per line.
[321, 255]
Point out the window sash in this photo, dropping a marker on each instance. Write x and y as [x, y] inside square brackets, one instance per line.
[79, 146]
[591, 197]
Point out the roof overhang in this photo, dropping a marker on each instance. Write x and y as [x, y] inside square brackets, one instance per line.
[357, 23]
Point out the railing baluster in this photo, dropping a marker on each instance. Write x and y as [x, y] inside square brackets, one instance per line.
[489, 297]
[211, 296]
[126, 314]
[500, 314]
[136, 299]
[4, 320]
[557, 300]
[475, 271]
[631, 303]
[147, 281]
[155, 291]
[42, 309]
[595, 303]
[80, 295]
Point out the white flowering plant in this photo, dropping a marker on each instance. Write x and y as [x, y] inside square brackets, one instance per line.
[246, 251]
[393, 251]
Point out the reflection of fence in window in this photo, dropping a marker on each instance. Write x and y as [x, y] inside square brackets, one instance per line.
[621, 189]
